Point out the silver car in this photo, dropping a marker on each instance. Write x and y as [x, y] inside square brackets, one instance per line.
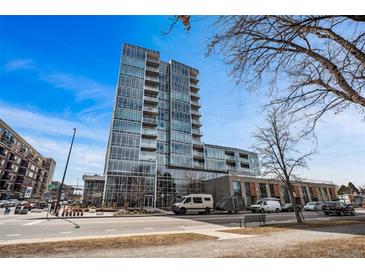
[313, 206]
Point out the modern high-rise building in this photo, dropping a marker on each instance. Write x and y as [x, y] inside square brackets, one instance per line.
[24, 172]
[155, 153]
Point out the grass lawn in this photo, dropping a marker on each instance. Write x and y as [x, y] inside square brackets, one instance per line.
[53, 248]
[272, 228]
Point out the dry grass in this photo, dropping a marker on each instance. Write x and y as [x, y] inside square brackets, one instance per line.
[273, 228]
[340, 248]
[335, 248]
[53, 248]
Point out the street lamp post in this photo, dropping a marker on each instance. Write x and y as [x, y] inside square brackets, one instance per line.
[64, 175]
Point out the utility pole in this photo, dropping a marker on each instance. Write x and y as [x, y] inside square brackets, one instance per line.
[64, 175]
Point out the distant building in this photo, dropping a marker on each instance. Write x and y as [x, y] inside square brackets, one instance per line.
[69, 192]
[22, 168]
[155, 150]
[253, 188]
[93, 189]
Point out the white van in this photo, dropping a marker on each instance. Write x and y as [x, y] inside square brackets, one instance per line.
[266, 205]
[194, 203]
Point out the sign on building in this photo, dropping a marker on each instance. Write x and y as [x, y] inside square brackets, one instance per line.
[28, 192]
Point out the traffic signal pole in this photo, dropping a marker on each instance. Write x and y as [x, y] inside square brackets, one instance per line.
[57, 207]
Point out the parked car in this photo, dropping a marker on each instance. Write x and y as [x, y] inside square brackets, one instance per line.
[3, 203]
[313, 206]
[266, 205]
[288, 207]
[13, 202]
[194, 203]
[338, 208]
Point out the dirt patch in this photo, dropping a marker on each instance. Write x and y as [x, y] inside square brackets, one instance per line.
[267, 229]
[55, 248]
[334, 248]
[340, 248]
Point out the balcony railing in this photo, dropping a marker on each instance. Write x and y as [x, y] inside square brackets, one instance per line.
[149, 120]
[154, 61]
[152, 78]
[194, 85]
[148, 156]
[198, 153]
[196, 131]
[149, 68]
[149, 131]
[149, 144]
[151, 88]
[151, 99]
[195, 95]
[230, 157]
[195, 112]
[152, 110]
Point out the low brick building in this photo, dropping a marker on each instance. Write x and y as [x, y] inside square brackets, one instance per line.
[22, 168]
[253, 188]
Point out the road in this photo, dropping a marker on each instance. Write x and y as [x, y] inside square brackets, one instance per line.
[15, 228]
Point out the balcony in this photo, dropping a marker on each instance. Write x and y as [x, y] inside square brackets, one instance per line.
[193, 79]
[154, 62]
[151, 89]
[152, 79]
[195, 113]
[198, 154]
[196, 132]
[197, 141]
[148, 145]
[195, 104]
[196, 123]
[145, 156]
[151, 99]
[230, 157]
[150, 110]
[152, 70]
[149, 132]
[149, 120]
[194, 87]
[195, 95]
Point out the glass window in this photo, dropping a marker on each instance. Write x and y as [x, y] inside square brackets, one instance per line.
[263, 190]
[197, 200]
[236, 188]
[187, 200]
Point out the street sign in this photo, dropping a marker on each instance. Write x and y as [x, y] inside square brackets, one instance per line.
[62, 196]
[28, 192]
[52, 186]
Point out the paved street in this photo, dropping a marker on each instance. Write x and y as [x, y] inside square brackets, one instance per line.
[29, 228]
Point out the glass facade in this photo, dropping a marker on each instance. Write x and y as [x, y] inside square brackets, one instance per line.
[155, 154]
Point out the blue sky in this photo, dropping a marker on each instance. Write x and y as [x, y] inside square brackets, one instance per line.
[60, 72]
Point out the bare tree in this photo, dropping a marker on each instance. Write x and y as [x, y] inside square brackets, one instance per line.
[278, 148]
[320, 59]
[194, 182]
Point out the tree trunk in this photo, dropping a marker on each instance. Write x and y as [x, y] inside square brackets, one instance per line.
[294, 202]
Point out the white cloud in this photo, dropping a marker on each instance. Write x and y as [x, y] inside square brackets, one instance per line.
[83, 87]
[51, 136]
[19, 64]
[30, 121]
[85, 158]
